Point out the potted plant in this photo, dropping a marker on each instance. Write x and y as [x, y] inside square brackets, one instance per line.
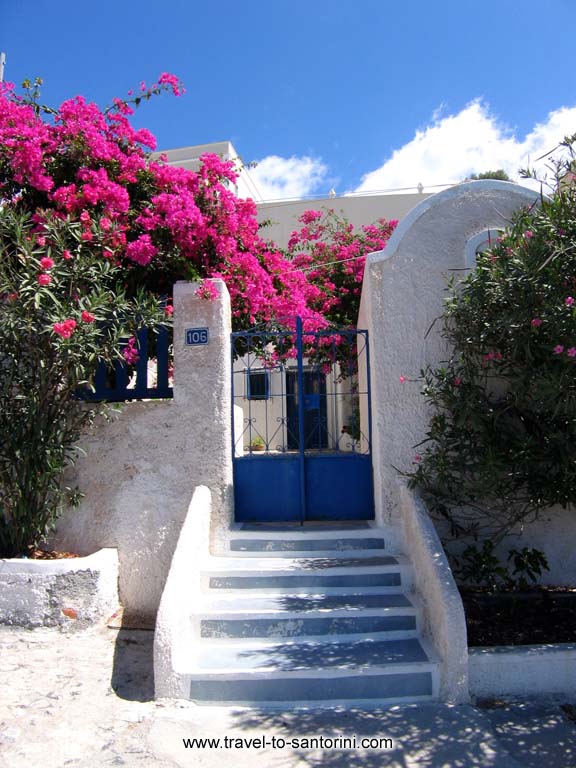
[256, 444]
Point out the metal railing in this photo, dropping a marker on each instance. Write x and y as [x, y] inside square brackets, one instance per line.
[147, 379]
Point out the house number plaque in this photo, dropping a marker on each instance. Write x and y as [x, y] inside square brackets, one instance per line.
[196, 336]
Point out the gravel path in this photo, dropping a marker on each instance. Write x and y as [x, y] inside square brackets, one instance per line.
[85, 700]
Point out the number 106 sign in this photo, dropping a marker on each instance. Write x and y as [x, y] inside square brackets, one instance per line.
[195, 336]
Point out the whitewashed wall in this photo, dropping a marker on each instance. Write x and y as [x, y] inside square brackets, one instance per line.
[140, 469]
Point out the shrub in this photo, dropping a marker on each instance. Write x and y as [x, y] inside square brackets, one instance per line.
[60, 312]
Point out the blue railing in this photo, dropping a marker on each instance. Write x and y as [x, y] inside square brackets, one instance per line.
[119, 383]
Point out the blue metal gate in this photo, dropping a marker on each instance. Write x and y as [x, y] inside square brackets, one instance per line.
[301, 425]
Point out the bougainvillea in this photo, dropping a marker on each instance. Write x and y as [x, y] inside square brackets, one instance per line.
[333, 254]
[93, 233]
[160, 223]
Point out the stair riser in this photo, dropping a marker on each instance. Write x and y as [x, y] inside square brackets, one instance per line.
[245, 604]
[299, 627]
[295, 582]
[309, 553]
[404, 686]
[278, 546]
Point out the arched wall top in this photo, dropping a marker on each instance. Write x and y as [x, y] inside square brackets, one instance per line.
[467, 189]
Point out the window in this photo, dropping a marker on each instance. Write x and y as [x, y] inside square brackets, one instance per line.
[258, 385]
[480, 243]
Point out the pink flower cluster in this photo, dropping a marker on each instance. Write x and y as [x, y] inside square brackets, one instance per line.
[492, 356]
[207, 291]
[332, 255]
[559, 350]
[130, 351]
[93, 167]
[65, 329]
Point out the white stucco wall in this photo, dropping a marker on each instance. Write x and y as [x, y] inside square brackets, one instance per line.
[70, 593]
[403, 292]
[523, 670]
[444, 620]
[174, 635]
[140, 469]
[554, 534]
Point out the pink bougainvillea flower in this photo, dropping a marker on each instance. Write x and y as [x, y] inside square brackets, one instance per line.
[65, 329]
[142, 250]
[569, 301]
[66, 255]
[41, 241]
[558, 349]
[169, 309]
[87, 317]
[46, 262]
[207, 291]
[536, 322]
[167, 79]
[571, 352]
[528, 234]
[403, 379]
[44, 279]
[130, 353]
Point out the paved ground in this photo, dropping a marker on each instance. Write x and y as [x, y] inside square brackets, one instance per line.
[85, 700]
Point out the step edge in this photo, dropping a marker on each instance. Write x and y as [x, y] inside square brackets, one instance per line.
[199, 673]
[329, 613]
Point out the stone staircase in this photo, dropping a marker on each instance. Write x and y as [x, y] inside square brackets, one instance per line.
[309, 617]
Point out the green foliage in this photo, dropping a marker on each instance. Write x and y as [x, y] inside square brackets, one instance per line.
[40, 370]
[501, 442]
[481, 567]
[529, 564]
[499, 175]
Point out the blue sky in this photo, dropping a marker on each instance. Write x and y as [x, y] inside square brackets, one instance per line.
[367, 95]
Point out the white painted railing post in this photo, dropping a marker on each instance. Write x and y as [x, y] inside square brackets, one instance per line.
[202, 392]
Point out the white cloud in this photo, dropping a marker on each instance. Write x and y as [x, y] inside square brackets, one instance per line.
[285, 177]
[472, 141]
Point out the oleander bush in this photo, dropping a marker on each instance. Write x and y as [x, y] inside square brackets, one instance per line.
[501, 441]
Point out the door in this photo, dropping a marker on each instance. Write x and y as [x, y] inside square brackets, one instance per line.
[315, 409]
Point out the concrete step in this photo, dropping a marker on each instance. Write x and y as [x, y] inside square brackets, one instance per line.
[314, 573]
[291, 616]
[301, 602]
[264, 546]
[300, 673]
[397, 625]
